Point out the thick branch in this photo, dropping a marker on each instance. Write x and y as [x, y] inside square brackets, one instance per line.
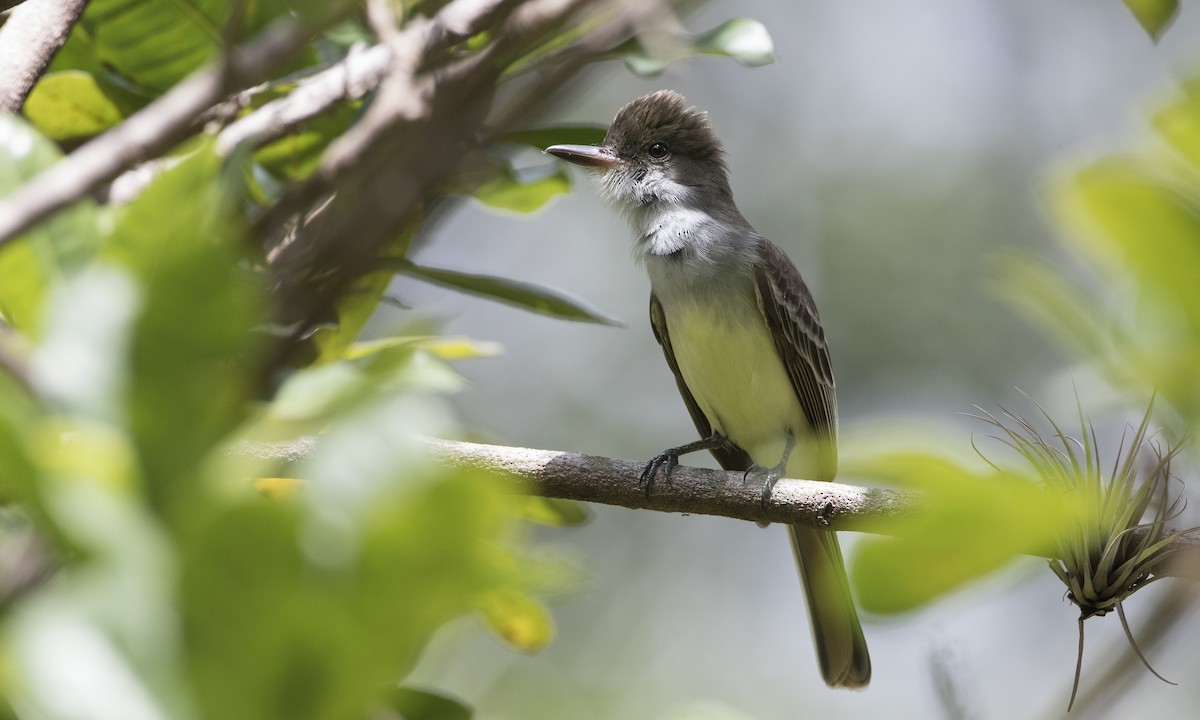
[28, 42]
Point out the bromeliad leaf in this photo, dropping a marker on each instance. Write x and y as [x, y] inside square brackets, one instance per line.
[538, 298]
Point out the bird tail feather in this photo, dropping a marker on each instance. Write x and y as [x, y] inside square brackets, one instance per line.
[837, 634]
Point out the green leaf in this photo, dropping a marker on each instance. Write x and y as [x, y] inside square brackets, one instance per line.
[742, 39]
[1155, 16]
[1179, 123]
[510, 193]
[413, 704]
[355, 307]
[295, 156]
[542, 138]
[340, 588]
[81, 363]
[524, 295]
[1133, 218]
[1138, 220]
[70, 104]
[745, 40]
[156, 44]
[517, 619]
[194, 357]
[972, 523]
[315, 396]
[552, 511]
[446, 348]
[112, 607]
[30, 264]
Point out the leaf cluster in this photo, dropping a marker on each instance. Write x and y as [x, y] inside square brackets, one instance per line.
[214, 294]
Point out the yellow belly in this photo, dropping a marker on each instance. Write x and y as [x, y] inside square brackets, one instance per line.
[734, 372]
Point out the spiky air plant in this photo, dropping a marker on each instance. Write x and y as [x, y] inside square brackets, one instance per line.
[1113, 549]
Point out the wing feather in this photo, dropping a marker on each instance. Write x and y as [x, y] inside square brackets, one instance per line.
[791, 316]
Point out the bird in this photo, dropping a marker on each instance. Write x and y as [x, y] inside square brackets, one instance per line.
[739, 329]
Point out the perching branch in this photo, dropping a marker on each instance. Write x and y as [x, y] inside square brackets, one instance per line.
[29, 40]
[699, 491]
[692, 490]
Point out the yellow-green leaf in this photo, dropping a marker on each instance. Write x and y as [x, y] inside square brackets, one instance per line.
[70, 104]
[537, 298]
[517, 618]
[1155, 16]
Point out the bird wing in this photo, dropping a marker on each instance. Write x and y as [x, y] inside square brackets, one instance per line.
[791, 316]
[729, 456]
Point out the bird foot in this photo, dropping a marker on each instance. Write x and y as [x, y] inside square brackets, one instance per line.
[665, 461]
[770, 476]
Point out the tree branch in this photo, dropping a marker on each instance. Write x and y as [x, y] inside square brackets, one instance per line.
[690, 490]
[153, 129]
[29, 40]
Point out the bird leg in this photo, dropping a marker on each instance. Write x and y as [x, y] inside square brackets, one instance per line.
[668, 459]
[772, 475]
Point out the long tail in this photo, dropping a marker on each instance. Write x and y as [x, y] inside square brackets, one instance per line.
[837, 634]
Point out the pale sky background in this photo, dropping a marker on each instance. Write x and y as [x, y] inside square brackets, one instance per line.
[893, 150]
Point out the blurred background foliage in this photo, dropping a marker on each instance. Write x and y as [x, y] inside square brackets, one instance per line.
[148, 569]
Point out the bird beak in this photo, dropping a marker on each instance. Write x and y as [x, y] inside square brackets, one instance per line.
[589, 156]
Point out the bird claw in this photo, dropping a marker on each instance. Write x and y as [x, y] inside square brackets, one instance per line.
[770, 477]
[665, 461]
[754, 468]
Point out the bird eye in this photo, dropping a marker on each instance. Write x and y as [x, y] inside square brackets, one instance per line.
[657, 150]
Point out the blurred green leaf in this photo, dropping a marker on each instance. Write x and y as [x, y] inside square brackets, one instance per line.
[973, 523]
[1139, 222]
[1179, 123]
[296, 155]
[114, 609]
[742, 39]
[355, 307]
[18, 416]
[552, 511]
[81, 364]
[525, 295]
[1155, 16]
[446, 348]
[542, 138]
[70, 104]
[340, 587]
[1041, 293]
[37, 259]
[745, 40]
[517, 618]
[156, 44]
[314, 396]
[194, 360]
[413, 704]
[509, 192]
